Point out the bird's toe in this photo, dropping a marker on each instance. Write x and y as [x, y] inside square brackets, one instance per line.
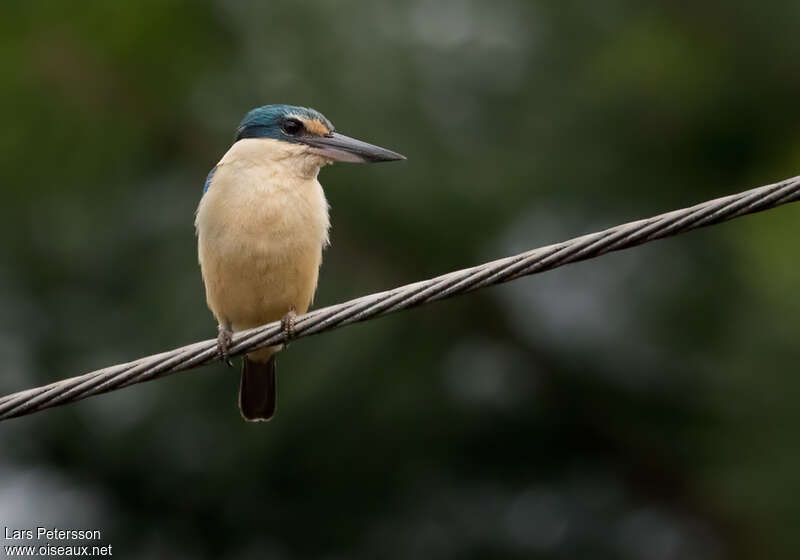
[224, 340]
[287, 324]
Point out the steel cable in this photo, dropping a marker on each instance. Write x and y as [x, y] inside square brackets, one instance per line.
[364, 308]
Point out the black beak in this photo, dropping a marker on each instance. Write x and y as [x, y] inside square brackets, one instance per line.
[338, 147]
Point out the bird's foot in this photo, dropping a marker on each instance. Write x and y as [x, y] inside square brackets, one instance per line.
[287, 325]
[224, 340]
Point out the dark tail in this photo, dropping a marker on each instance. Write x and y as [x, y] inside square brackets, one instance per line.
[257, 391]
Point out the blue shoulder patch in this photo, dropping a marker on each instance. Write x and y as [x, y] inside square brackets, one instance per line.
[208, 179]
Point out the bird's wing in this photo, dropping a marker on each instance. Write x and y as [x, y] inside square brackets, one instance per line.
[208, 179]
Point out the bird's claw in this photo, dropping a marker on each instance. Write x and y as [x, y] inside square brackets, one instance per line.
[287, 325]
[224, 340]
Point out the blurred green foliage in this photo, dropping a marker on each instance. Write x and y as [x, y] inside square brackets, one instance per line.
[641, 405]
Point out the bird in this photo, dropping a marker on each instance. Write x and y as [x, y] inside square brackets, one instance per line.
[262, 224]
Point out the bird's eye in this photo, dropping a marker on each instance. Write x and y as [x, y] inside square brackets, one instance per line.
[292, 127]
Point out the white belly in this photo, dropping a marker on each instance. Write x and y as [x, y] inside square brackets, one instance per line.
[261, 232]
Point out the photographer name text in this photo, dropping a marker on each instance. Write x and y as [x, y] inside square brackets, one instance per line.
[52, 534]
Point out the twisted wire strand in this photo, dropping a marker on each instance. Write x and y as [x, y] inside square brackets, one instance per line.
[412, 295]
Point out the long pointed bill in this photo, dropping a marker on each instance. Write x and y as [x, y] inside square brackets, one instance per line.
[338, 147]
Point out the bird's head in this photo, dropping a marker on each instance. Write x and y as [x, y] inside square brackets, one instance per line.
[309, 128]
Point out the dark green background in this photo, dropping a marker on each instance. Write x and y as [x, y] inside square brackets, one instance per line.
[638, 406]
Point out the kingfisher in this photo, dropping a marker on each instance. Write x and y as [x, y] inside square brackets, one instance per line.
[262, 224]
